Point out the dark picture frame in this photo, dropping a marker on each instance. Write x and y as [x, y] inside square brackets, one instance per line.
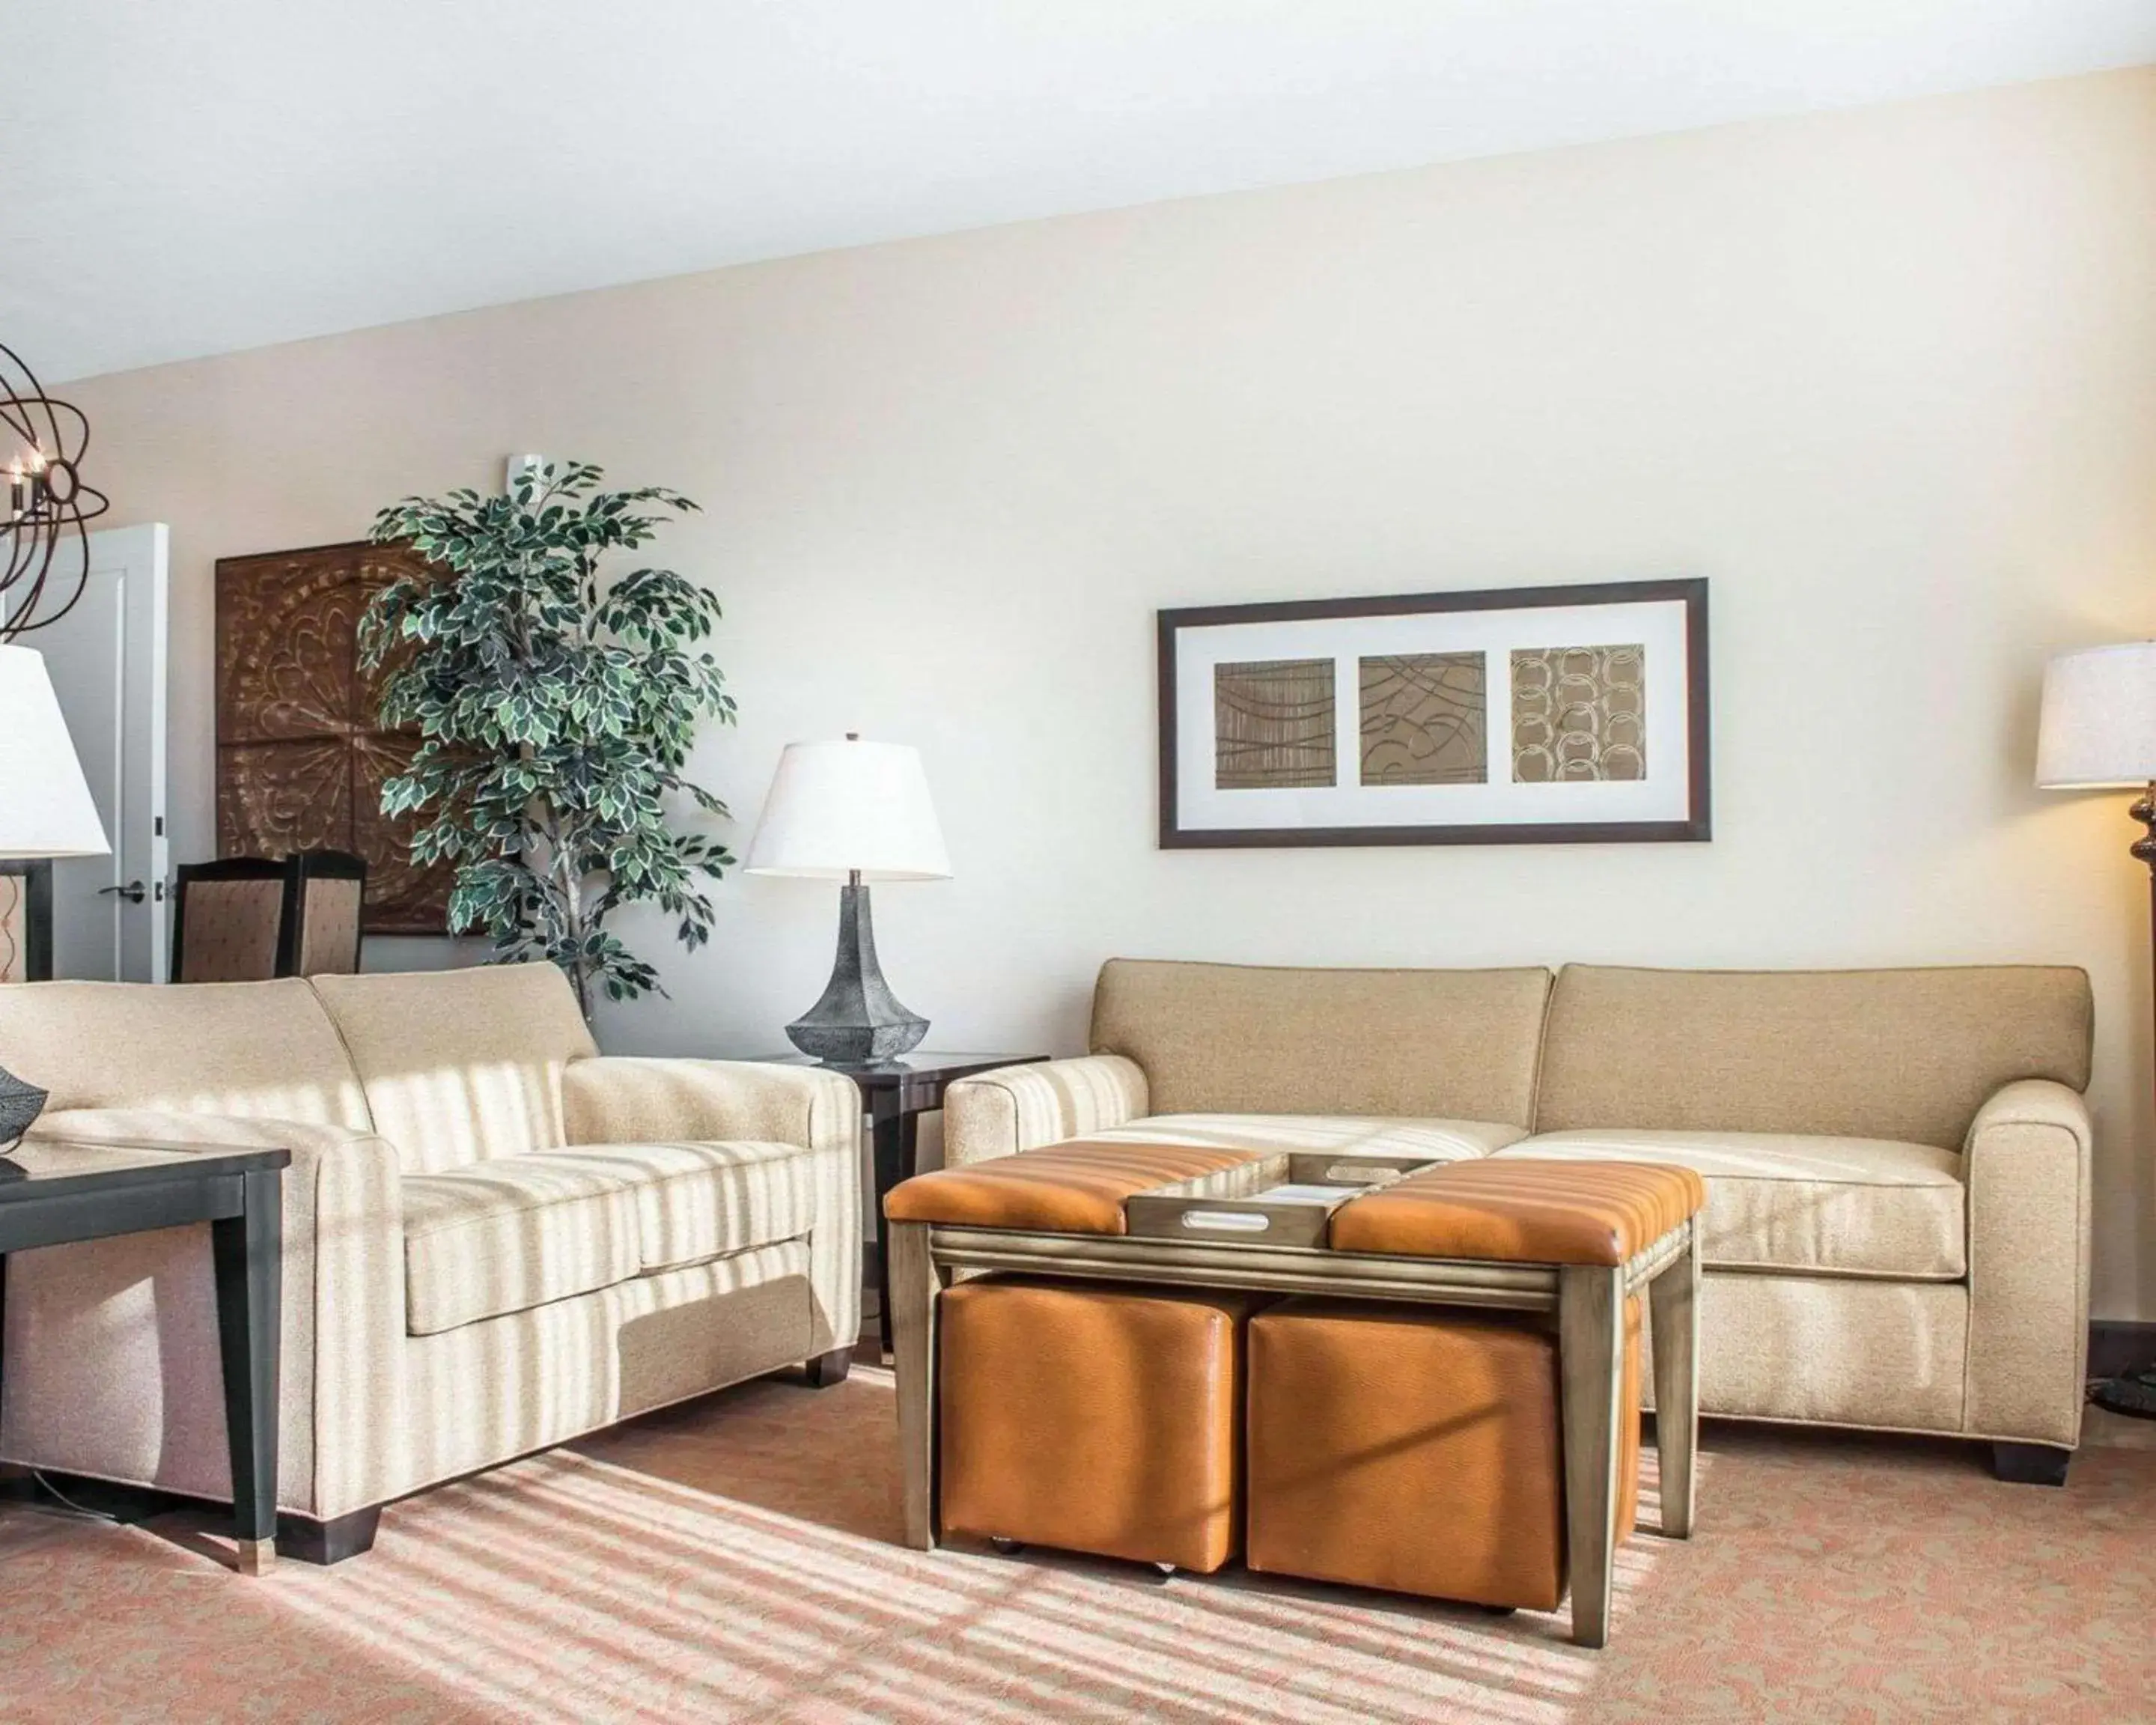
[1695, 825]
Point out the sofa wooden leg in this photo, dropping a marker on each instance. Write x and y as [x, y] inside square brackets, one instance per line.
[331, 1542]
[2031, 1464]
[829, 1369]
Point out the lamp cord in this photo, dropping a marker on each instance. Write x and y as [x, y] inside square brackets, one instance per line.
[70, 1507]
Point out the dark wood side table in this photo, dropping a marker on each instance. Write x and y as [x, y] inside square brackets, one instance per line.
[56, 1192]
[895, 1096]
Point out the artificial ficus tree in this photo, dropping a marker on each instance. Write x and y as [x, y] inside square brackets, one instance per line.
[556, 704]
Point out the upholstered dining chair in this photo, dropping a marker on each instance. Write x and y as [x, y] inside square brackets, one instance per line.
[26, 921]
[244, 919]
[326, 902]
[229, 920]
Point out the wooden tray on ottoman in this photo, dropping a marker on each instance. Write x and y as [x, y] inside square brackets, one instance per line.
[1285, 1199]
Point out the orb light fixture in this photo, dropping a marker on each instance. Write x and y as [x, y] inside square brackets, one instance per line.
[45, 538]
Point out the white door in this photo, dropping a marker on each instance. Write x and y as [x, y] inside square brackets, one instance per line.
[112, 915]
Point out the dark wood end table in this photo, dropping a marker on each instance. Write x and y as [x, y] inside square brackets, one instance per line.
[895, 1094]
[54, 1192]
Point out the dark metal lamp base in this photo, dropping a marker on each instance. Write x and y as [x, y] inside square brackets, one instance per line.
[2129, 1393]
[859, 1022]
[20, 1104]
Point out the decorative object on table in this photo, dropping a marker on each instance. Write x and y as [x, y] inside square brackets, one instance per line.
[301, 750]
[854, 812]
[26, 919]
[1537, 714]
[46, 810]
[43, 440]
[895, 1094]
[2098, 732]
[20, 1105]
[557, 706]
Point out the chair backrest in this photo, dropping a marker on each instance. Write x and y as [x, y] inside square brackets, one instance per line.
[1456, 1045]
[460, 1065]
[229, 920]
[26, 921]
[1903, 1055]
[323, 936]
[261, 1050]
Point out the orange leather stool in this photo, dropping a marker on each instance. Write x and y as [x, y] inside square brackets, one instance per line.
[1102, 1420]
[1417, 1448]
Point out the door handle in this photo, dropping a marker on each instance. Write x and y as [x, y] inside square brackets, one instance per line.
[133, 892]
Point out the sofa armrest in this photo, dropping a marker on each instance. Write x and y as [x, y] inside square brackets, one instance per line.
[1018, 1108]
[621, 1099]
[2026, 1162]
[618, 1099]
[86, 1324]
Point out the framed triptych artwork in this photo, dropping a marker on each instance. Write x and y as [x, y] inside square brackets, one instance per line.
[1539, 715]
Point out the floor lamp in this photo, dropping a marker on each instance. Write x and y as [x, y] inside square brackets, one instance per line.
[2098, 733]
[45, 811]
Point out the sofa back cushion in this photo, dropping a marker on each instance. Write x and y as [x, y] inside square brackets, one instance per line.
[460, 1065]
[261, 1050]
[1902, 1055]
[1234, 1038]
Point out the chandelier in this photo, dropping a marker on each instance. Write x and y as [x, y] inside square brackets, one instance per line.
[44, 544]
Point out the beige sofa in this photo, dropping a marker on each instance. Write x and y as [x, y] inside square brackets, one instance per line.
[495, 1240]
[1897, 1161]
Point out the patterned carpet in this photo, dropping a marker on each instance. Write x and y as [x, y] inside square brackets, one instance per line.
[732, 1561]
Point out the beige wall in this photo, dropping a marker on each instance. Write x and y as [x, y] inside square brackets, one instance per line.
[1887, 377]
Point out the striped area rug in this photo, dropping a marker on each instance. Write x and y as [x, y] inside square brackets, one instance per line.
[734, 1560]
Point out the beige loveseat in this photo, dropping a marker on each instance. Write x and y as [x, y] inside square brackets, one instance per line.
[1897, 1161]
[495, 1240]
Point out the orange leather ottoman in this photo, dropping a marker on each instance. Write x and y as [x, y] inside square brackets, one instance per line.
[1417, 1448]
[1102, 1420]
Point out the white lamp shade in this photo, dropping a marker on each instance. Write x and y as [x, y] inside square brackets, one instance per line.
[45, 806]
[2099, 729]
[837, 808]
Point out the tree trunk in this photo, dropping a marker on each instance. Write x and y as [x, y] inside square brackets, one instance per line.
[580, 976]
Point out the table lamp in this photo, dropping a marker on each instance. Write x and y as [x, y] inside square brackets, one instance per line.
[854, 812]
[2098, 733]
[45, 811]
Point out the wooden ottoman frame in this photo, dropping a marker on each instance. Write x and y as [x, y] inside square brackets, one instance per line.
[1588, 1301]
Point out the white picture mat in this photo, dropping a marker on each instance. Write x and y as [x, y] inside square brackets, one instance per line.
[1658, 625]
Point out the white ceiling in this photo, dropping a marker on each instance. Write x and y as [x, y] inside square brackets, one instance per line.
[187, 177]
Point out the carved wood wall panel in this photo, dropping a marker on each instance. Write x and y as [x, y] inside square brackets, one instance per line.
[300, 758]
